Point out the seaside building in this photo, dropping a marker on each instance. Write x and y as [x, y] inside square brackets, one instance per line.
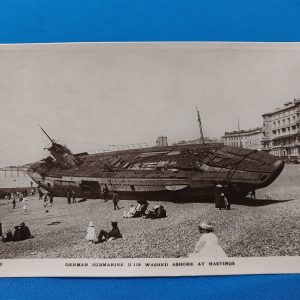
[250, 139]
[207, 140]
[282, 131]
[162, 141]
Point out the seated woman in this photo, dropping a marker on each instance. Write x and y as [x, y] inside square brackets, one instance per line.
[130, 213]
[151, 213]
[208, 244]
[141, 208]
[157, 212]
[161, 212]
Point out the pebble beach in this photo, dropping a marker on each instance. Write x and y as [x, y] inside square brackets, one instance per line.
[268, 226]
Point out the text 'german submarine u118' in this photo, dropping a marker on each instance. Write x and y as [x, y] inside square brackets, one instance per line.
[175, 173]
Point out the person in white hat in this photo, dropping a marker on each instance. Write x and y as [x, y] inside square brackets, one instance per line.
[91, 233]
[208, 244]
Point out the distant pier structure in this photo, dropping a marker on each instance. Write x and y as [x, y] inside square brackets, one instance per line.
[14, 178]
[13, 172]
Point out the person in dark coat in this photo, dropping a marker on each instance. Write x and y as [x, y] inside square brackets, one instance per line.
[69, 197]
[219, 199]
[161, 213]
[115, 201]
[40, 194]
[105, 193]
[17, 235]
[114, 233]
[9, 236]
[25, 232]
[252, 194]
[51, 198]
[14, 203]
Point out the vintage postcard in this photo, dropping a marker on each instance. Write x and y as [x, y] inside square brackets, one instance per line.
[149, 159]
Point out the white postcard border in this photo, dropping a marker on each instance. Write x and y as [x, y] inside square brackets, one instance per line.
[137, 267]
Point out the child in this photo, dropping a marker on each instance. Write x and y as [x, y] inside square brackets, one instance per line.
[91, 233]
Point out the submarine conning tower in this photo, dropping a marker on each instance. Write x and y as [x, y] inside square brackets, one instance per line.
[63, 156]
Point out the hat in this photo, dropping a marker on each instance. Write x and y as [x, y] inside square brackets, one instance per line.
[156, 206]
[114, 223]
[91, 224]
[206, 225]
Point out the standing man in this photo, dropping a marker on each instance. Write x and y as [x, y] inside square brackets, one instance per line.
[115, 201]
[51, 198]
[14, 203]
[105, 193]
[69, 197]
[40, 194]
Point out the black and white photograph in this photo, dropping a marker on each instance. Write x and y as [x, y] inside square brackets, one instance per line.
[179, 154]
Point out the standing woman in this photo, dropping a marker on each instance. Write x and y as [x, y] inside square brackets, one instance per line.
[25, 207]
[219, 199]
[208, 244]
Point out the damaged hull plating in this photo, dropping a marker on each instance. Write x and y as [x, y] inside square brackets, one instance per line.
[174, 173]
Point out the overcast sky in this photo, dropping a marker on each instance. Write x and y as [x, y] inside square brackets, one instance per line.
[88, 95]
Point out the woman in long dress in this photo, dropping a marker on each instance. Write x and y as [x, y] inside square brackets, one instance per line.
[25, 207]
[208, 244]
[91, 233]
[130, 213]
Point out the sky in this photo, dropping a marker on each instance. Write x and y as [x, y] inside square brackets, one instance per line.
[88, 96]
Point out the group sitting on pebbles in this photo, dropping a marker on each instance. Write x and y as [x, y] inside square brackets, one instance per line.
[140, 210]
[17, 233]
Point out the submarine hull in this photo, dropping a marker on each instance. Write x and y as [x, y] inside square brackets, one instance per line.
[175, 173]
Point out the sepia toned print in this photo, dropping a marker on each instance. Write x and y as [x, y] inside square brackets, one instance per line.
[182, 156]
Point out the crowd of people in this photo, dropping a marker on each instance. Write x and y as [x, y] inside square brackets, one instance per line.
[207, 246]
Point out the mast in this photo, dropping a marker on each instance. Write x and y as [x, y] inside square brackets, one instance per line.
[200, 127]
[52, 141]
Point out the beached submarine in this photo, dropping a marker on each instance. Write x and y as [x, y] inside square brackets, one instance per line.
[173, 173]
